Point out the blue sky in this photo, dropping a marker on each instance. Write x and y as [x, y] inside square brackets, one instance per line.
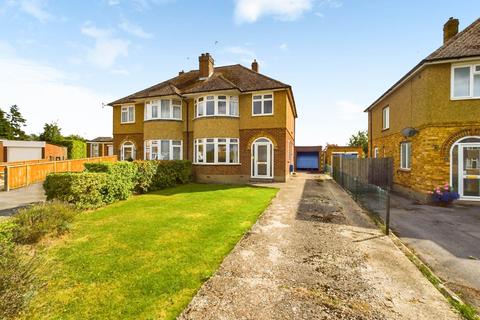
[59, 60]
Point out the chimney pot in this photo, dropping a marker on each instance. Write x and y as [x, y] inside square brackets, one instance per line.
[206, 63]
[255, 65]
[181, 72]
[450, 29]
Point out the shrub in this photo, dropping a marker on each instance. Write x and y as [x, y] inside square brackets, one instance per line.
[17, 281]
[38, 220]
[85, 190]
[77, 149]
[121, 179]
[170, 173]
[146, 171]
[7, 231]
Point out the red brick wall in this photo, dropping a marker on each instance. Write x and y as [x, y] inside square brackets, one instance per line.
[136, 138]
[54, 152]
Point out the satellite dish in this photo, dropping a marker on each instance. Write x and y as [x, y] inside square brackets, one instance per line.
[409, 132]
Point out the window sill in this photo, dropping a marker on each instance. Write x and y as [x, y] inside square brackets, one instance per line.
[132, 122]
[216, 116]
[385, 129]
[404, 170]
[217, 164]
[148, 120]
[262, 115]
[464, 98]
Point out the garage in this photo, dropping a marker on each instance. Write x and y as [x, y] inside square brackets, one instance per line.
[308, 158]
[21, 150]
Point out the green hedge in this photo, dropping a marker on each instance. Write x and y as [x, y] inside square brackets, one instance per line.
[77, 149]
[103, 183]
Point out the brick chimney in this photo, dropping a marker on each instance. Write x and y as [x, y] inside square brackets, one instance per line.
[450, 29]
[205, 62]
[255, 65]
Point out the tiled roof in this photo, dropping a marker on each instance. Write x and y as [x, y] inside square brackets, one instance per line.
[223, 78]
[102, 139]
[463, 45]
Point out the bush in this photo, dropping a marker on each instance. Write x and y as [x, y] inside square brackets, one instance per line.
[146, 171]
[36, 221]
[121, 179]
[85, 190]
[7, 231]
[77, 149]
[17, 281]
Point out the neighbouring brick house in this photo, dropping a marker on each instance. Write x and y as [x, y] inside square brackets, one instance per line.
[332, 150]
[429, 121]
[99, 147]
[234, 123]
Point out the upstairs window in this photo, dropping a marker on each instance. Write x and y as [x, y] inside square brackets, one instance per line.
[406, 155]
[466, 82]
[375, 152]
[163, 150]
[216, 105]
[163, 109]
[386, 118]
[262, 104]
[128, 114]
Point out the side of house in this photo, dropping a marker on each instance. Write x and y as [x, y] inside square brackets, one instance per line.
[233, 123]
[429, 122]
[99, 147]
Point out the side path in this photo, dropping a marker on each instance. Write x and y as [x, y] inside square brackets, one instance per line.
[315, 255]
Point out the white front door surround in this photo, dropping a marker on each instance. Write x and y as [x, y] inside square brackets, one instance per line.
[262, 159]
[465, 168]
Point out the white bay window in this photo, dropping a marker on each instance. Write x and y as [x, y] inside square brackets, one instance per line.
[465, 82]
[163, 109]
[216, 151]
[216, 105]
[163, 150]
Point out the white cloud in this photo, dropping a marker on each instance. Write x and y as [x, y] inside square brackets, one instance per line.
[34, 8]
[251, 10]
[44, 95]
[283, 47]
[134, 29]
[107, 48]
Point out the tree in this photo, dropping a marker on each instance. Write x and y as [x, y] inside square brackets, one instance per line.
[76, 137]
[17, 122]
[51, 133]
[5, 127]
[360, 139]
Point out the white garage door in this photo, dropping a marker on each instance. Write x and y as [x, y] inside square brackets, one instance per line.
[23, 153]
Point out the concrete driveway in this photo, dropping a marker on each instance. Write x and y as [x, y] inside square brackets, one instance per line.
[18, 198]
[447, 239]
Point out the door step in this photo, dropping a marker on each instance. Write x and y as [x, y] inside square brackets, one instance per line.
[260, 180]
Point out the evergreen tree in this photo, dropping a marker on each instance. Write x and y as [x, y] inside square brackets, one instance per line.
[17, 122]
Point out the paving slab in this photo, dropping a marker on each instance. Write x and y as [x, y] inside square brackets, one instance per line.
[314, 254]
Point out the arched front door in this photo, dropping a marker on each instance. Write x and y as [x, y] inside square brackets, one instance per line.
[127, 151]
[262, 158]
[465, 167]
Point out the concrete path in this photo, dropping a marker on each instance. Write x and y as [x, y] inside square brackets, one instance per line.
[447, 239]
[315, 255]
[17, 198]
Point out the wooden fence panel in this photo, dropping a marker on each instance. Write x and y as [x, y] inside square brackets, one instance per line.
[22, 175]
[377, 171]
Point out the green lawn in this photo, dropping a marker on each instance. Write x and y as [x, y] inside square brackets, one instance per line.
[145, 258]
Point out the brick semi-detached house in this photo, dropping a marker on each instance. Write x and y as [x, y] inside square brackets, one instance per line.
[429, 121]
[234, 123]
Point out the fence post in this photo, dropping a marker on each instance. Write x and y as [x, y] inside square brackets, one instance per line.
[387, 215]
[26, 175]
[355, 180]
[5, 178]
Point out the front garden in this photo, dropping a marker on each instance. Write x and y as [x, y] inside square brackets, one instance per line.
[142, 258]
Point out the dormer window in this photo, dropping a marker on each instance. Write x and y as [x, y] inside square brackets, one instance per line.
[465, 82]
[163, 109]
[216, 105]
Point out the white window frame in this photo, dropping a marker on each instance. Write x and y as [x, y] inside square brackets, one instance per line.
[203, 142]
[386, 118]
[149, 105]
[473, 73]
[148, 144]
[408, 159]
[263, 99]
[127, 109]
[375, 152]
[229, 99]
[92, 146]
[128, 144]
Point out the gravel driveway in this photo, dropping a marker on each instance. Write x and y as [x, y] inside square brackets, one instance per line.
[315, 255]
